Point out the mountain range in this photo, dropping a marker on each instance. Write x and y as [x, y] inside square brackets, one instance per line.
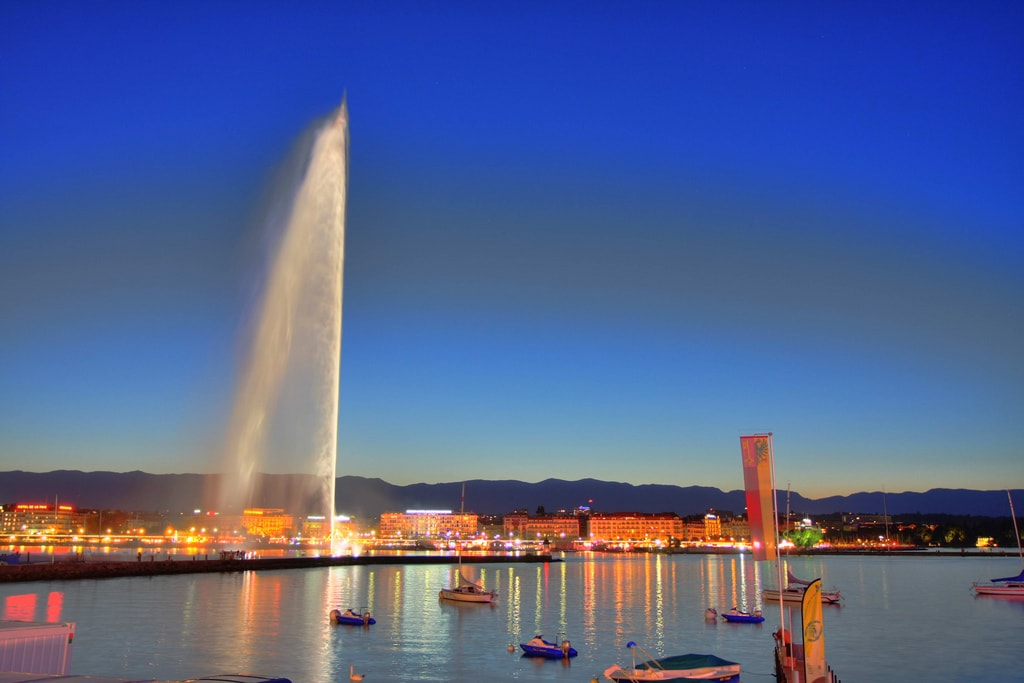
[367, 498]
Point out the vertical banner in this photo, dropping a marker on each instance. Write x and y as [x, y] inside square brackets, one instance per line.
[815, 670]
[757, 482]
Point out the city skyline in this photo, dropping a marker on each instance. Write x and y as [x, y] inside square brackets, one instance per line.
[583, 241]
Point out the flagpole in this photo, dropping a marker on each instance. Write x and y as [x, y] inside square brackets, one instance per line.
[778, 550]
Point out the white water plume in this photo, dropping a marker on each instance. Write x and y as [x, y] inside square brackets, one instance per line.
[285, 413]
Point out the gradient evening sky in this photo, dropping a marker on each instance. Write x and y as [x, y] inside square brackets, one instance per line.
[584, 239]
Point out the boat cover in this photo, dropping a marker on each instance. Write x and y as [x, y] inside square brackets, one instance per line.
[1019, 577]
[690, 661]
[793, 579]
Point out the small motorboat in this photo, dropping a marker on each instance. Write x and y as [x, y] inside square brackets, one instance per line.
[740, 617]
[351, 617]
[689, 667]
[538, 647]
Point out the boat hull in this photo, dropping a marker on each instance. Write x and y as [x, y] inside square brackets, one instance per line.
[743, 618]
[459, 595]
[796, 595]
[337, 617]
[355, 621]
[1013, 591]
[692, 667]
[640, 675]
[548, 650]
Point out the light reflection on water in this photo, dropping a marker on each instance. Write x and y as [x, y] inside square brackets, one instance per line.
[902, 616]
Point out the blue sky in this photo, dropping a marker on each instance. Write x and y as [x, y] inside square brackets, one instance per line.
[583, 239]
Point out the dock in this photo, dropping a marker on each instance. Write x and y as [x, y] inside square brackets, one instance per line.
[69, 571]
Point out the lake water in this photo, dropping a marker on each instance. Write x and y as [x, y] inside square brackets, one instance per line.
[903, 619]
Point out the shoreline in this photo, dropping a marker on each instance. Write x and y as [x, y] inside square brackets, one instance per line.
[69, 569]
[76, 570]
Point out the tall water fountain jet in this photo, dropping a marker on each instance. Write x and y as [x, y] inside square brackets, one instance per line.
[285, 414]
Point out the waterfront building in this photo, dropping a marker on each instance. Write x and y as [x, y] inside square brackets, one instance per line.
[41, 519]
[635, 527]
[315, 527]
[737, 528]
[693, 530]
[541, 527]
[268, 522]
[428, 524]
[712, 526]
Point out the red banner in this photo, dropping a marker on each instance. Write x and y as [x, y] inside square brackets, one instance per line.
[757, 482]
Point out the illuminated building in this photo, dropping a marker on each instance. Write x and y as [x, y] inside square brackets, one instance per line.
[712, 526]
[524, 526]
[268, 522]
[427, 524]
[693, 530]
[315, 526]
[40, 519]
[635, 526]
[737, 527]
[344, 526]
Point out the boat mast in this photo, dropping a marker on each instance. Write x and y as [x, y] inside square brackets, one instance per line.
[775, 525]
[462, 514]
[458, 544]
[885, 517]
[787, 508]
[1020, 548]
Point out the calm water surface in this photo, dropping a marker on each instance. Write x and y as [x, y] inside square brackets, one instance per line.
[904, 619]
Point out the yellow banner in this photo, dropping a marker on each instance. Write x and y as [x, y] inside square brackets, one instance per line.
[815, 669]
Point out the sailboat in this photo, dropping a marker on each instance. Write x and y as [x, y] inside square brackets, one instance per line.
[464, 589]
[1012, 586]
[795, 589]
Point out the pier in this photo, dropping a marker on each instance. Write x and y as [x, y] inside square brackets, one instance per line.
[69, 569]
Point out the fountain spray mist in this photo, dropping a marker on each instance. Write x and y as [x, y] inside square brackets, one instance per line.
[285, 413]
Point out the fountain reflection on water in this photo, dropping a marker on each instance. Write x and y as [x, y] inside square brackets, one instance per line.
[285, 412]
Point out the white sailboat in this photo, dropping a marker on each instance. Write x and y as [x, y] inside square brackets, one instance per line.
[464, 589]
[1009, 586]
[795, 589]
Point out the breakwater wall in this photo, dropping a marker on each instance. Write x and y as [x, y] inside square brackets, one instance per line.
[74, 570]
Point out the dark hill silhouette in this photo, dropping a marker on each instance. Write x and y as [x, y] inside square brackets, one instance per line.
[368, 498]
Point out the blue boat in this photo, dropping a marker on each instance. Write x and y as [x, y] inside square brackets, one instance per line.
[538, 647]
[351, 617]
[736, 615]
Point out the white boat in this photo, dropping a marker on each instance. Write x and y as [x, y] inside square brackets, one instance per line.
[467, 591]
[794, 592]
[796, 596]
[464, 589]
[688, 667]
[1009, 586]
